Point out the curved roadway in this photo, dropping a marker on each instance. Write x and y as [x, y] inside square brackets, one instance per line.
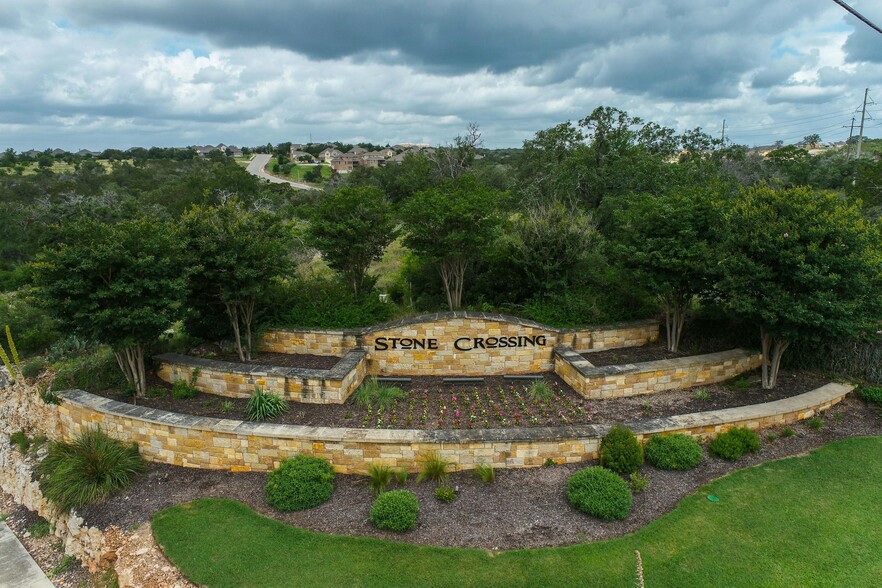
[256, 167]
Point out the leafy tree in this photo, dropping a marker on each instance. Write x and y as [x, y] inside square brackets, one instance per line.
[793, 163]
[550, 242]
[812, 140]
[452, 161]
[669, 241]
[120, 284]
[236, 254]
[802, 264]
[352, 228]
[452, 224]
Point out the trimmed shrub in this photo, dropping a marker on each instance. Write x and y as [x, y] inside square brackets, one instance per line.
[182, 390]
[620, 451]
[600, 493]
[396, 510]
[299, 483]
[264, 405]
[872, 394]
[673, 452]
[445, 494]
[733, 444]
[90, 468]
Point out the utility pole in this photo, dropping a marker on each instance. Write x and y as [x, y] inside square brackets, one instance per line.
[850, 133]
[723, 136]
[863, 114]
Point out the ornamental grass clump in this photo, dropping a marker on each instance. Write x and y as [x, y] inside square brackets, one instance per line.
[734, 443]
[264, 405]
[396, 510]
[90, 468]
[299, 483]
[372, 394]
[620, 451]
[485, 472]
[379, 477]
[673, 452]
[434, 468]
[599, 493]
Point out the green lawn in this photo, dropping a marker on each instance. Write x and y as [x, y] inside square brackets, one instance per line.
[808, 521]
[297, 171]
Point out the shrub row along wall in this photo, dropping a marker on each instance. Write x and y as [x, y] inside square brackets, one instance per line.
[460, 343]
[652, 376]
[243, 446]
[237, 380]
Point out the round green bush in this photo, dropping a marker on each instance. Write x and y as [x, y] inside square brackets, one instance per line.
[869, 393]
[396, 510]
[299, 483]
[673, 452]
[600, 493]
[733, 444]
[620, 451]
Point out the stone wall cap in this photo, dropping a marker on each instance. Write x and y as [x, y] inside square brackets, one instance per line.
[648, 366]
[805, 401]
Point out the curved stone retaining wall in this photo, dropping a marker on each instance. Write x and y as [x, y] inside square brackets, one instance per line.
[244, 446]
[237, 380]
[614, 381]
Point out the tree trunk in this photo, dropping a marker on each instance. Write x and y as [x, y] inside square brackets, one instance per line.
[675, 306]
[247, 314]
[453, 276]
[131, 362]
[773, 350]
[233, 313]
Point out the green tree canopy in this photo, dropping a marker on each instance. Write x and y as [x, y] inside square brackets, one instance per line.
[669, 241]
[120, 284]
[452, 224]
[801, 264]
[352, 227]
[236, 253]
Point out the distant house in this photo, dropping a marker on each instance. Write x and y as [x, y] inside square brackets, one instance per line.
[397, 158]
[357, 151]
[59, 152]
[297, 155]
[85, 152]
[373, 159]
[32, 153]
[344, 163]
[329, 154]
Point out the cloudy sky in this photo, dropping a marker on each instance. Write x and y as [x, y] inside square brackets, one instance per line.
[120, 73]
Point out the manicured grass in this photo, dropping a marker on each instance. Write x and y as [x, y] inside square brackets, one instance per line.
[806, 521]
[297, 171]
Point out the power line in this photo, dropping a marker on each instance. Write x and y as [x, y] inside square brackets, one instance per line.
[796, 120]
[860, 16]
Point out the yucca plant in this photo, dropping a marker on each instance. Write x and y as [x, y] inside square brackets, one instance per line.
[88, 469]
[264, 405]
[379, 477]
[13, 365]
[434, 468]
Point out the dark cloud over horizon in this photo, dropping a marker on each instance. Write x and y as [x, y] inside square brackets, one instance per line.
[414, 71]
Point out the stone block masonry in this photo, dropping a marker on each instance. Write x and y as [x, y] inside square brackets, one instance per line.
[237, 380]
[244, 446]
[615, 381]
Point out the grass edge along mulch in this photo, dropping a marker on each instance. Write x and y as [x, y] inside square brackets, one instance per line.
[810, 520]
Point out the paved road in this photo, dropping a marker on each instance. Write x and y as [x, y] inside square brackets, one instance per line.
[17, 568]
[257, 164]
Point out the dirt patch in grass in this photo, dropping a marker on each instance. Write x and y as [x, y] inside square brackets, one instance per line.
[523, 508]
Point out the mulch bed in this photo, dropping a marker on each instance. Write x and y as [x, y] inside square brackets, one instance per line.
[523, 508]
[497, 403]
[645, 353]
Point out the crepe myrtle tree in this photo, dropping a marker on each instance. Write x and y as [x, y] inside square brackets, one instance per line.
[121, 284]
[352, 227]
[801, 264]
[452, 224]
[668, 241]
[235, 254]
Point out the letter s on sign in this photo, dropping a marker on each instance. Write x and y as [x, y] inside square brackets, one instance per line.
[380, 344]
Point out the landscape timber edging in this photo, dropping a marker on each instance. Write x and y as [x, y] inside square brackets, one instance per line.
[211, 443]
